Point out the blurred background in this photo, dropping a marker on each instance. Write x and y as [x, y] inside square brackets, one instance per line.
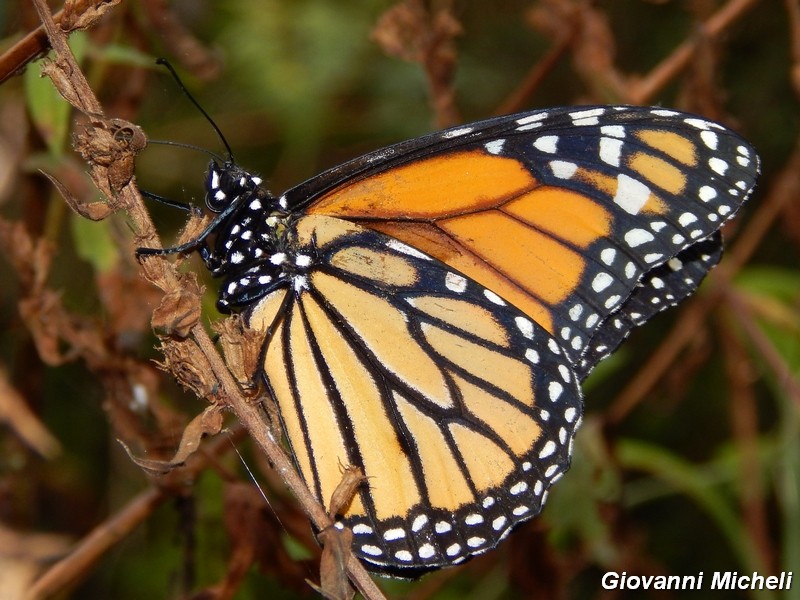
[689, 459]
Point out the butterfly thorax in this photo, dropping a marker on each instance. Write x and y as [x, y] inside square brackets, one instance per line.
[254, 245]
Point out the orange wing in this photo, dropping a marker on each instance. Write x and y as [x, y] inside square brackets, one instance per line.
[562, 221]
[464, 208]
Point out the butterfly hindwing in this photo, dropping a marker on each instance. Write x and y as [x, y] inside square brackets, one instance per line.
[659, 289]
[459, 408]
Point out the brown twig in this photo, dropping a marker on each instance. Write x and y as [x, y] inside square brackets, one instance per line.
[741, 374]
[643, 91]
[15, 413]
[22, 53]
[766, 350]
[92, 547]
[515, 101]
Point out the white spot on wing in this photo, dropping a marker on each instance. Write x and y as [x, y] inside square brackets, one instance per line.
[495, 146]
[406, 249]
[637, 237]
[525, 327]
[608, 255]
[532, 118]
[710, 139]
[548, 449]
[601, 281]
[455, 283]
[494, 298]
[563, 169]
[457, 132]
[394, 534]
[617, 131]
[362, 529]
[546, 143]
[631, 194]
[610, 150]
[718, 165]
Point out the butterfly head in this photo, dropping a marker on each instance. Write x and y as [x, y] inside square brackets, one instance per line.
[228, 183]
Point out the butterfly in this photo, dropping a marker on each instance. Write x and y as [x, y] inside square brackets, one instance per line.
[430, 309]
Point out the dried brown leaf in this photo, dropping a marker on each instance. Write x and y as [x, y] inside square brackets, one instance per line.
[242, 348]
[255, 537]
[110, 147]
[179, 310]
[400, 31]
[184, 360]
[59, 73]
[94, 211]
[14, 412]
[30, 260]
[44, 316]
[84, 14]
[425, 33]
[118, 288]
[334, 582]
[209, 422]
[153, 467]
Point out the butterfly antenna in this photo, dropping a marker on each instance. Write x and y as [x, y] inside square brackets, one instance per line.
[165, 63]
[213, 155]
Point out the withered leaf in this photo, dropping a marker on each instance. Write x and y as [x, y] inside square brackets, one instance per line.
[94, 211]
[334, 583]
[179, 310]
[242, 348]
[110, 147]
[209, 422]
[189, 366]
[84, 14]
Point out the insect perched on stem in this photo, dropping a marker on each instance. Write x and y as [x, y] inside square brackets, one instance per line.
[430, 309]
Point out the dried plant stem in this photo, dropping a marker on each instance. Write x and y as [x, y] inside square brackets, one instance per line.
[162, 274]
[644, 91]
[93, 546]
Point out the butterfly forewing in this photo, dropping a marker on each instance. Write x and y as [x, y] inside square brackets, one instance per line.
[593, 198]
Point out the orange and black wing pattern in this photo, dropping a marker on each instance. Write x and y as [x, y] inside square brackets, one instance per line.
[429, 309]
[561, 212]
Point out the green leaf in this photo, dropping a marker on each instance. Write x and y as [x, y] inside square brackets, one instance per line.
[93, 243]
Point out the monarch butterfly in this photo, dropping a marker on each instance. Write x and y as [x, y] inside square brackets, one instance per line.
[430, 309]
